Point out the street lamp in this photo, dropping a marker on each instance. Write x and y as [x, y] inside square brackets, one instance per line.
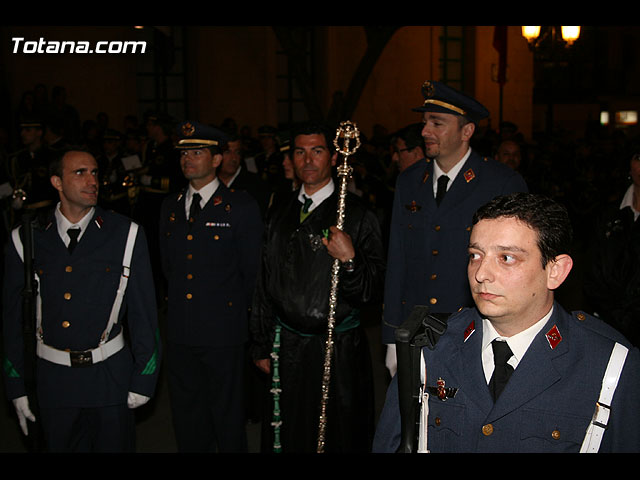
[535, 35]
[551, 48]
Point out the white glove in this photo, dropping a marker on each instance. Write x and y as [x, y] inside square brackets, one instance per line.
[21, 405]
[134, 400]
[391, 361]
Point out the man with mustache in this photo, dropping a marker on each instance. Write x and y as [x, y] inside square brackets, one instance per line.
[432, 208]
[292, 306]
[89, 376]
[517, 372]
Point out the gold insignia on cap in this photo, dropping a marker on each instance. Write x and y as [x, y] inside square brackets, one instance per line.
[188, 129]
[428, 90]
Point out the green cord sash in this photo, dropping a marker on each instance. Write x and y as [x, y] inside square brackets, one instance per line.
[352, 321]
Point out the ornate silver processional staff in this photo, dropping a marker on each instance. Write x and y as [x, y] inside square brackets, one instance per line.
[346, 133]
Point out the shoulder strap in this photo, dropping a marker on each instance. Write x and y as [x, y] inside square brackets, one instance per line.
[124, 278]
[122, 287]
[600, 419]
[17, 242]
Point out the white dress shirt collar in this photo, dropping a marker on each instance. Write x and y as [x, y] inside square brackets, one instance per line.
[319, 196]
[518, 343]
[627, 201]
[64, 224]
[205, 192]
[452, 174]
[234, 176]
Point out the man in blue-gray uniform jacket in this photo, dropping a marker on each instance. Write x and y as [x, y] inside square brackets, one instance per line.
[563, 382]
[210, 239]
[432, 209]
[89, 378]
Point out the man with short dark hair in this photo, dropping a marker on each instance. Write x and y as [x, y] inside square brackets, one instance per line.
[210, 249]
[517, 372]
[508, 152]
[93, 272]
[269, 160]
[408, 146]
[432, 210]
[291, 308]
[233, 172]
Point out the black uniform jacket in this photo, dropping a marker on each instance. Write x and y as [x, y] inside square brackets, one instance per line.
[295, 279]
[612, 281]
[211, 267]
[546, 405]
[428, 243]
[255, 186]
[78, 291]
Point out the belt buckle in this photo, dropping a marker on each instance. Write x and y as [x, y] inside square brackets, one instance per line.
[81, 359]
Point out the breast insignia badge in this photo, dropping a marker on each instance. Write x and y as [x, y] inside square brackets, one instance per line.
[442, 391]
[413, 207]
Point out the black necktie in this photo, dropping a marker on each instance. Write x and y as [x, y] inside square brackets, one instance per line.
[442, 188]
[195, 206]
[502, 371]
[73, 235]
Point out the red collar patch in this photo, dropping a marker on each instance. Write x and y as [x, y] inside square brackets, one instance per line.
[469, 330]
[554, 337]
[469, 175]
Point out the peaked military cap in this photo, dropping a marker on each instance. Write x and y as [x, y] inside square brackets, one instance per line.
[31, 122]
[284, 140]
[111, 134]
[197, 135]
[267, 131]
[159, 118]
[439, 97]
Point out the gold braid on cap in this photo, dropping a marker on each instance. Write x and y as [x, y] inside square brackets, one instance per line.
[445, 105]
[428, 90]
[196, 142]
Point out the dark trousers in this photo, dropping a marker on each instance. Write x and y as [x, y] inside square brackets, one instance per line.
[206, 391]
[102, 429]
[350, 409]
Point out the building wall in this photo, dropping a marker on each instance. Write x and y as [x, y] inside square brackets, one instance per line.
[94, 82]
[411, 57]
[394, 87]
[517, 92]
[231, 72]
